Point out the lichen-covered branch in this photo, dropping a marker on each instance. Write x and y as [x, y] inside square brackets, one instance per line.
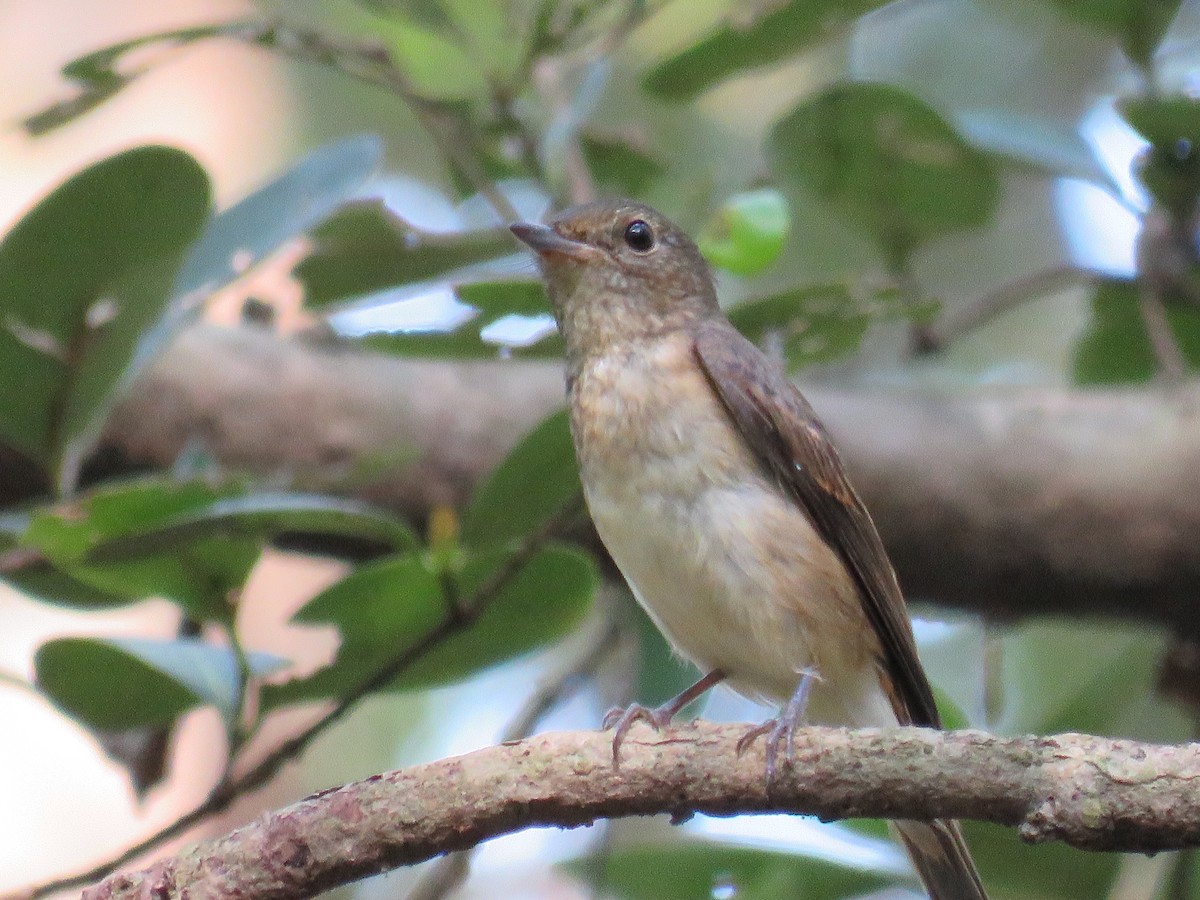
[1093, 793]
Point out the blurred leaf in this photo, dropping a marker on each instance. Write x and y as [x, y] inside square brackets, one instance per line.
[114, 683]
[661, 674]
[366, 248]
[753, 39]
[49, 584]
[547, 598]
[748, 232]
[72, 311]
[694, 871]
[435, 67]
[1048, 145]
[817, 323]
[392, 604]
[535, 481]
[199, 575]
[97, 76]
[618, 167]
[1115, 348]
[884, 159]
[1015, 870]
[282, 209]
[260, 516]
[1111, 689]
[1163, 120]
[1139, 24]
[495, 300]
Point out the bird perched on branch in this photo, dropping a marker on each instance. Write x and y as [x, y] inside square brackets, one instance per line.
[723, 502]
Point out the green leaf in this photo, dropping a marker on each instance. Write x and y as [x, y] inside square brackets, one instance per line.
[748, 232]
[1115, 348]
[619, 167]
[435, 68]
[392, 604]
[113, 683]
[817, 323]
[693, 870]
[199, 575]
[1164, 120]
[102, 73]
[741, 44]
[1111, 689]
[543, 602]
[259, 516]
[535, 481]
[72, 311]
[494, 300]
[1139, 24]
[1170, 171]
[365, 248]
[884, 159]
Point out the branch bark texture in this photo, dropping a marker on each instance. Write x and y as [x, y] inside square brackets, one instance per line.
[1093, 793]
[1007, 502]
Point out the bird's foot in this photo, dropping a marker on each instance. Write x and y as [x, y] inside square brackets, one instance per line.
[658, 717]
[781, 730]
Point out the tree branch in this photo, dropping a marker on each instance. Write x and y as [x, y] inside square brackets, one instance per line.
[1093, 793]
[1005, 502]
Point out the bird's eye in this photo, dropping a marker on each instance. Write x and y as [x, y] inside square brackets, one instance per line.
[639, 236]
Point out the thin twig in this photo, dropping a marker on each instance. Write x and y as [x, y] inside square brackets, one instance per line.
[227, 791]
[962, 320]
[451, 870]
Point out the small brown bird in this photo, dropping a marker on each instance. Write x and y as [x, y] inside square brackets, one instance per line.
[725, 505]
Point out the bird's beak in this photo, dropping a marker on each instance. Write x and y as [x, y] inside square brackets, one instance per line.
[545, 241]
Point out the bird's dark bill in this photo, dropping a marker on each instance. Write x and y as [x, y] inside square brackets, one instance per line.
[546, 241]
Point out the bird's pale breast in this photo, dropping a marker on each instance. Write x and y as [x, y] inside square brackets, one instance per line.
[726, 564]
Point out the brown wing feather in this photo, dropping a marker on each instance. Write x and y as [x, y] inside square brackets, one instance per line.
[792, 445]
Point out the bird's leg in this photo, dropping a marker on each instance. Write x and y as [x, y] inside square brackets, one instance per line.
[659, 717]
[782, 729]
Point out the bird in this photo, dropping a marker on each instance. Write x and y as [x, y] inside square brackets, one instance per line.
[723, 502]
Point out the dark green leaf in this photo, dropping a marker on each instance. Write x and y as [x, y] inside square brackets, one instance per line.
[365, 248]
[1164, 120]
[815, 324]
[112, 683]
[739, 45]
[199, 575]
[259, 516]
[748, 232]
[1115, 348]
[52, 585]
[535, 481]
[393, 604]
[72, 311]
[618, 167]
[885, 160]
[692, 871]
[1139, 24]
[544, 601]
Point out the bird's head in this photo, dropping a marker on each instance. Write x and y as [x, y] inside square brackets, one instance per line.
[618, 271]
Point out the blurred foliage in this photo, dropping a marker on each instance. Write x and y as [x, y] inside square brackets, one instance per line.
[826, 155]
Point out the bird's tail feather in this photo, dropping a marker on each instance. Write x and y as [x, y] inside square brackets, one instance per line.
[941, 858]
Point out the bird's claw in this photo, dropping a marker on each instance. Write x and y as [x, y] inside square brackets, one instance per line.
[781, 731]
[622, 720]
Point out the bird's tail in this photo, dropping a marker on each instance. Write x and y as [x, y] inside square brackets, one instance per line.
[941, 858]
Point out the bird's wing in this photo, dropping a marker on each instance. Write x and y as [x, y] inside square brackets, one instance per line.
[791, 444]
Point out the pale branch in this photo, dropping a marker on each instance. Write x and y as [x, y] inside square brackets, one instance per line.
[1093, 793]
[1008, 502]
